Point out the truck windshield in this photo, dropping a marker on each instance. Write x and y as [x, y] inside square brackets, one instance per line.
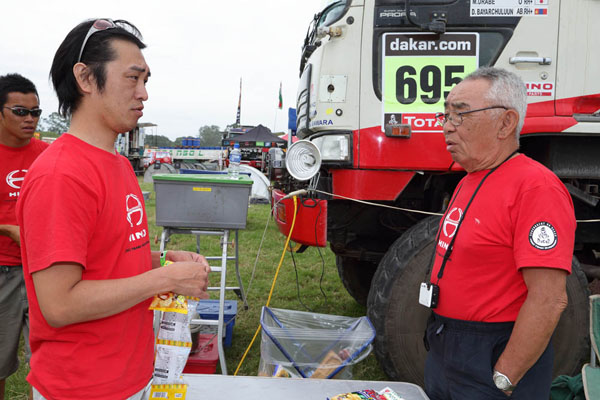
[332, 12]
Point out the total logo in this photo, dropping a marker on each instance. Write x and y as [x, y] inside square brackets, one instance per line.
[135, 215]
[14, 179]
[422, 122]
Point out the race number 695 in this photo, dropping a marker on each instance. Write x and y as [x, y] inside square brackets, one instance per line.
[426, 84]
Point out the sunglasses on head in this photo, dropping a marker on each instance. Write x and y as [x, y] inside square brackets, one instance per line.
[23, 112]
[105, 24]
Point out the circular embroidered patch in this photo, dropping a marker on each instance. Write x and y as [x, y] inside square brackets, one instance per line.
[543, 236]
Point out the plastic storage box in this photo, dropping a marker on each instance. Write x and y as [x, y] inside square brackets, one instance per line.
[311, 345]
[204, 361]
[201, 200]
[209, 309]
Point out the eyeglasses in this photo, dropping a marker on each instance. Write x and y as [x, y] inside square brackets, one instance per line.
[23, 112]
[105, 24]
[456, 118]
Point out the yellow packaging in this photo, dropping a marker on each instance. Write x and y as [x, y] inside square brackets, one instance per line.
[168, 392]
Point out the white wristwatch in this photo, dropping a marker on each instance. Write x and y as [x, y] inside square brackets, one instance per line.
[502, 382]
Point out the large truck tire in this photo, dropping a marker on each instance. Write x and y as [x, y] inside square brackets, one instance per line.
[399, 319]
[163, 169]
[356, 276]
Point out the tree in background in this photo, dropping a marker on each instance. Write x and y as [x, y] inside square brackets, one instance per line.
[158, 141]
[55, 123]
[210, 136]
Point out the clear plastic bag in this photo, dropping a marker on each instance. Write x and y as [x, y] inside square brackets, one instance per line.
[311, 345]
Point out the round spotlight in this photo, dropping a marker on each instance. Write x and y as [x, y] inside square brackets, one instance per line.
[303, 160]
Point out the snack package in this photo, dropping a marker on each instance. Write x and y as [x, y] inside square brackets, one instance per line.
[389, 394]
[173, 344]
[367, 394]
[171, 357]
[175, 325]
[282, 372]
[174, 391]
[169, 302]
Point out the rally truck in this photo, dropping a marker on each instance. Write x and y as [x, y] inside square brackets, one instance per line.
[371, 170]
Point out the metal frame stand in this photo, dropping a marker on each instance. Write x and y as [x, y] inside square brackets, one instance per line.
[224, 257]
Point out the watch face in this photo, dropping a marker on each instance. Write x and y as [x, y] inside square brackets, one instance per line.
[501, 382]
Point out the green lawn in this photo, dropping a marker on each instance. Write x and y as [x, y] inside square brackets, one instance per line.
[317, 287]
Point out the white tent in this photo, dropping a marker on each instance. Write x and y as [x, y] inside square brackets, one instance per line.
[260, 184]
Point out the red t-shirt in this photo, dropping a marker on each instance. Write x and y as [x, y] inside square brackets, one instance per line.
[14, 166]
[522, 216]
[82, 204]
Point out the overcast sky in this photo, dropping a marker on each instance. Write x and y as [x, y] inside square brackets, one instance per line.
[197, 52]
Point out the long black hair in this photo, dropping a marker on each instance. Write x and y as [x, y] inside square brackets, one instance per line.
[96, 54]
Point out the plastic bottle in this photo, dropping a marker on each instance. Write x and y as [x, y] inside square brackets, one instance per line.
[235, 157]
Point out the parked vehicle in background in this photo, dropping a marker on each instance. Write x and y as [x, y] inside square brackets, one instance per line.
[131, 145]
[372, 77]
[153, 156]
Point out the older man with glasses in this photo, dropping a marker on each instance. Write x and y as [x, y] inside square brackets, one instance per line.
[500, 272]
[89, 271]
[19, 115]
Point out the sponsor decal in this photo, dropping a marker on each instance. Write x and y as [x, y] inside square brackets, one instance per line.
[419, 70]
[542, 236]
[321, 122]
[535, 89]
[508, 8]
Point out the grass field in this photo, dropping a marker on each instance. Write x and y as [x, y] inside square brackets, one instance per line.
[312, 284]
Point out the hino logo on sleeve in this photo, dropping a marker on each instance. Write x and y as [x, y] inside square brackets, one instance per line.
[543, 236]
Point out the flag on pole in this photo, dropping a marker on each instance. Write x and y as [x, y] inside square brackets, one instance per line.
[280, 98]
[239, 109]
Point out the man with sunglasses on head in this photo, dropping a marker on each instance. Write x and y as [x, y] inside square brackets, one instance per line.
[502, 253]
[88, 267]
[19, 115]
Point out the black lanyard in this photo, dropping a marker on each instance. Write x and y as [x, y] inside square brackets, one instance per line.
[462, 218]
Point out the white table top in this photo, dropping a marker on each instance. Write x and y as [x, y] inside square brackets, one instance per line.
[214, 387]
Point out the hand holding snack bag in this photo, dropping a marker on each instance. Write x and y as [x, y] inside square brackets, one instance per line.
[173, 344]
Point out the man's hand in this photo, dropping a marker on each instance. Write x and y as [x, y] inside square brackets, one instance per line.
[12, 231]
[189, 278]
[539, 315]
[177, 256]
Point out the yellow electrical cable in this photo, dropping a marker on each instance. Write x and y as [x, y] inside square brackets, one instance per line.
[285, 249]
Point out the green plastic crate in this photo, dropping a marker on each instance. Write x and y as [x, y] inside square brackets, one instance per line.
[201, 200]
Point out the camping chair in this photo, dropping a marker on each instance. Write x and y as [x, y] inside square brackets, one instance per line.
[591, 372]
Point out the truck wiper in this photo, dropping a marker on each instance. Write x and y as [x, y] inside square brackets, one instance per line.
[437, 24]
